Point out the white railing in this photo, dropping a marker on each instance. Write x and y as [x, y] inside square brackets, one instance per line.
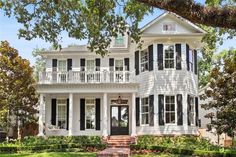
[86, 77]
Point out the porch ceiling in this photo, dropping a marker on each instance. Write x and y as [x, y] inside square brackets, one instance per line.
[88, 88]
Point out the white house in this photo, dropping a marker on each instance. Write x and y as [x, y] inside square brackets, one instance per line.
[131, 91]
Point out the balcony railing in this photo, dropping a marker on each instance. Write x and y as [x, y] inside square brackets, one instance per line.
[86, 77]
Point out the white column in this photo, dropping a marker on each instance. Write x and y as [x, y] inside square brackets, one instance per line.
[41, 115]
[133, 114]
[70, 114]
[105, 119]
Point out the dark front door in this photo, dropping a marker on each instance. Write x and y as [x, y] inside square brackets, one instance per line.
[119, 120]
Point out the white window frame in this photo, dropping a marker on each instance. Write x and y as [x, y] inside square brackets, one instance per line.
[192, 109]
[87, 60]
[115, 41]
[174, 56]
[169, 23]
[191, 65]
[141, 113]
[123, 66]
[58, 60]
[90, 104]
[145, 62]
[171, 111]
[57, 116]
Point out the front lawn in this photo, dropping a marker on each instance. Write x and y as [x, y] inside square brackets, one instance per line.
[51, 154]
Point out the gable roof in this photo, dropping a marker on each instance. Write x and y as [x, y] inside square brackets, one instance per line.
[145, 27]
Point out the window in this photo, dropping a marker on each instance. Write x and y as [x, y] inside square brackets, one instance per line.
[61, 113]
[119, 65]
[90, 65]
[144, 111]
[90, 113]
[169, 27]
[191, 60]
[170, 109]
[119, 40]
[144, 60]
[62, 65]
[169, 56]
[191, 100]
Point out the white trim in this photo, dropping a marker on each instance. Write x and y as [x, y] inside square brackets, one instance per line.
[140, 113]
[58, 112]
[175, 110]
[164, 55]
[140, 69]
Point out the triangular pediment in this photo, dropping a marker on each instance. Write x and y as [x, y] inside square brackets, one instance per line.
[179, 25]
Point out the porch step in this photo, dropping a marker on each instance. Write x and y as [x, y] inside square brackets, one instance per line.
[114, 152]
[118, 142]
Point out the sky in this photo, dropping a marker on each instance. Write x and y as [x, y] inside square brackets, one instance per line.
[9, 31]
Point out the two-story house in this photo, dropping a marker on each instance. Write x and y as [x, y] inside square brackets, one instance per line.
[130, 91]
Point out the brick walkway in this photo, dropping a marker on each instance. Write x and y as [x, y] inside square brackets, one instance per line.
[114, 152]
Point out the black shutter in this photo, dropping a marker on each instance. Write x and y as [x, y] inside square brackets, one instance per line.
[196, 110]
[126, 60]
[161, 109]
[195, 62]
[67, 114]
[82, 64]
[111, 64]
[151, 109]
[82, 114]
[188, 109]
[69, 64]
[179, 109]
[97, 64]
[187, 56]
[54, 111]
[150, 51]
[160, 56]
[136, 64]
[178, 56]
[137, 111]
[54, 64]
[98, 114]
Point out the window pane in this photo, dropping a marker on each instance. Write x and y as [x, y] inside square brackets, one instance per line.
[172, 117]
[90, 65]
[144, 111]
[62, 65]
[119, 40]
[61, 114]
[145, 119]
[119, 65]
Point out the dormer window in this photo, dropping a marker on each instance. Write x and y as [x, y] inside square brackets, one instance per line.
[119, 41]
[169, 27]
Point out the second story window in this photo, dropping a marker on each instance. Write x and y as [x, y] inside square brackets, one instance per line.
[191, 60]
[169, 56]
[144, 61]
[62, 65]
[119, 65]
[169, 27]
[90, 65]
[119, 41]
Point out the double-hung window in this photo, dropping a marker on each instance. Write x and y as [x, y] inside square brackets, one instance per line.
[144, 61]
[169, 56]
[191, 60]
[144, 111]
[90, 113]
[191, 100]
[119, 65]
[119, 41]
[62, 70]
[61, 113]
[170, 109]
[90, 65]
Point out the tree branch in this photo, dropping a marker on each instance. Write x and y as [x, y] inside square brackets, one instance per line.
[224, 17]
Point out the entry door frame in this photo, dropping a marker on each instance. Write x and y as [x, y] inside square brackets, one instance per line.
[120, 105]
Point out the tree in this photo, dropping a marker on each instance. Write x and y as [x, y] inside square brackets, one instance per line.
[39, 63]
[18, 98]
[221, 94]
[98, 20]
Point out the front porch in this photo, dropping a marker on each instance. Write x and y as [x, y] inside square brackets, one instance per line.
[85, 112]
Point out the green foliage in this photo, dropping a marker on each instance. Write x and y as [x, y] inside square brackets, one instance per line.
[53, 143]
[17, 88]
[221, 93]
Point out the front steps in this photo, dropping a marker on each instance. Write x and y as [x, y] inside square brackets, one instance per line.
[118, 146]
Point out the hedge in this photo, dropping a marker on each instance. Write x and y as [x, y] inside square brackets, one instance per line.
[53, 147]
[200, 153]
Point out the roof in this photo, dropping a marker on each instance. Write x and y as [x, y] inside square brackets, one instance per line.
[173, 15]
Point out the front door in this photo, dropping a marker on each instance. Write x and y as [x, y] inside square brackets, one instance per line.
[119, 120]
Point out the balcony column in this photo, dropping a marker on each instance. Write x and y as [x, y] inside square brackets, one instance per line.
[133, 117]
[70, 114]
[105, 119]
[41, 115]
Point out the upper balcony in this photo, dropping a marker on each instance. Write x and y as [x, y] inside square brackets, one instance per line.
[105, 76]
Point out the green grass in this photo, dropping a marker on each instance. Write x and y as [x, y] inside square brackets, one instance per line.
[51, 154]
[159, 155]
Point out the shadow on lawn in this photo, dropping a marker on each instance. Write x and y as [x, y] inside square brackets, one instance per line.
[51, 154]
